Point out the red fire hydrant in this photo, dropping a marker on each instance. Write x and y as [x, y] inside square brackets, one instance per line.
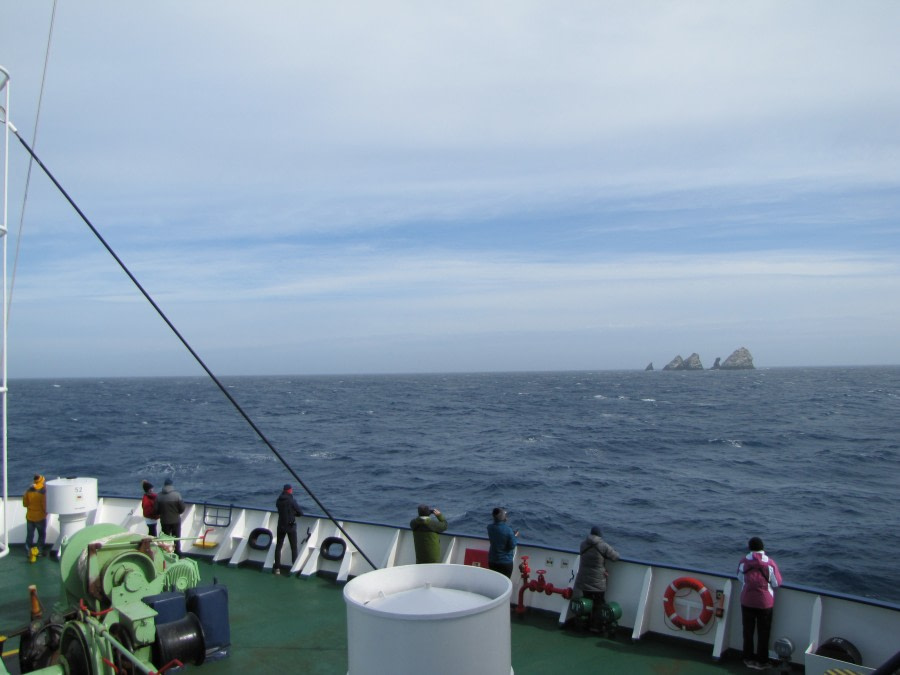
[540, 585]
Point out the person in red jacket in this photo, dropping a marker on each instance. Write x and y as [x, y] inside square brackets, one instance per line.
[148, 506]
[759, 577]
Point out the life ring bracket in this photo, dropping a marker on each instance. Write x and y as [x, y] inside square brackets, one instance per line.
[706, 613]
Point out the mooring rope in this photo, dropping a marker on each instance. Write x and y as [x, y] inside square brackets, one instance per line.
[222, 388]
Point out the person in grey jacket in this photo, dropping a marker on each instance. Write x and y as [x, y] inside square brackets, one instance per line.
[592, 574]
[170, 506]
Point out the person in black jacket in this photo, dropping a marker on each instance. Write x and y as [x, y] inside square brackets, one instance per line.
[288, 512]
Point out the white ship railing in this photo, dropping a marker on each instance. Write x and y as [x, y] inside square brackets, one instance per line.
[230, 535]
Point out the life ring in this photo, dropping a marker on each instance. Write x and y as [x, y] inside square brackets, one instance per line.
[253, 539]
[706, 614]
[327, 543]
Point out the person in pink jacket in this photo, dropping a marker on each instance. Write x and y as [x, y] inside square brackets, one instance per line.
[759, 577]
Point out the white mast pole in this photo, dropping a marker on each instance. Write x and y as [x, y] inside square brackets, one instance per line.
[4, 101]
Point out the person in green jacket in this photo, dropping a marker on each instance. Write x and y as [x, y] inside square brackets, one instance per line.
[425, 534]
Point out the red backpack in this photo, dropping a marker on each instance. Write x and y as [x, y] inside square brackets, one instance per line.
[148, 503]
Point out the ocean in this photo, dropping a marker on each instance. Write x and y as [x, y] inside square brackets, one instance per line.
[676, 467]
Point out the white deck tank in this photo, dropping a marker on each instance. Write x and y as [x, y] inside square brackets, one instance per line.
[437, 619]
[73, 499]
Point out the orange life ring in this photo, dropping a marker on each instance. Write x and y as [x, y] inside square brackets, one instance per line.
[705, 595]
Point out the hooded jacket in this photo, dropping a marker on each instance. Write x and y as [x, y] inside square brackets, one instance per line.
[35, 501]
[592, 568]
[288, 510]
[169, 505]
[425, 537]
[760, 577]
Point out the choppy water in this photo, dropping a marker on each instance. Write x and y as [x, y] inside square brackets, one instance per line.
[676, 467]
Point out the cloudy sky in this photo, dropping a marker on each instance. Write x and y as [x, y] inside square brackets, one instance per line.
[412, 186]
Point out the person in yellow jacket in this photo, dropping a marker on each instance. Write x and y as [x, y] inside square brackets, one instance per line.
[35, 502]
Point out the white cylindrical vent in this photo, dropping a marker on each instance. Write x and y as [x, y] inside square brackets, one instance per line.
[439, 619]
[71, 496]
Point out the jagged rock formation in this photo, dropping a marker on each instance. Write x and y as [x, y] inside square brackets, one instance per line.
[675, 364]
[740, 359]
[693, 362]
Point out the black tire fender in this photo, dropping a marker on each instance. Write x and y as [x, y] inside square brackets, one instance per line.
[253, 540]
[327, 544]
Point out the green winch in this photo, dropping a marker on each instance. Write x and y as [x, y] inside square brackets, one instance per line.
[128, 601]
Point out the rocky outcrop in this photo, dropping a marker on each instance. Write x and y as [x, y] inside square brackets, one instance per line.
[740, 359]
[678, 363]
[693, 362]
[675, 364]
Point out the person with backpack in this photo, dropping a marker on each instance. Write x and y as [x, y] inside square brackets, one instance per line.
[148, 506]
[759, 577]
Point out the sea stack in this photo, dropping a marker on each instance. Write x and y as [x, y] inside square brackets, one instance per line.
[693, 362]
[675, 364]
[649, 366]
[740, 359]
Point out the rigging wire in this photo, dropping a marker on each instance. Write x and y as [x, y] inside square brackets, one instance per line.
[37, 119]
[222, 388]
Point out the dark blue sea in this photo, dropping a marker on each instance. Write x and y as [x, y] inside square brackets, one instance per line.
[679, 467]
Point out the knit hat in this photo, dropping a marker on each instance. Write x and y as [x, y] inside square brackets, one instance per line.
[167, 481]
[596, 530]
[424, 509]
[756, 544]
[287, 487]
[499, 514]
[147, 485]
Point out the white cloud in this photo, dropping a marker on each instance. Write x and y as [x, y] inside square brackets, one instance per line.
[450, 177]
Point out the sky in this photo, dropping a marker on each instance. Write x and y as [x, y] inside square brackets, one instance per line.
[393, 187]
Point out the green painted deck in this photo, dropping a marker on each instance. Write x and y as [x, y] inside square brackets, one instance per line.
[283, 624]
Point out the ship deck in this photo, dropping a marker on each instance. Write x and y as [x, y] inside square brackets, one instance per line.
[292, 624]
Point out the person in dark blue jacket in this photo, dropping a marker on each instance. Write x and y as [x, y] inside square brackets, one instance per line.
[503, 543]
[288, 512]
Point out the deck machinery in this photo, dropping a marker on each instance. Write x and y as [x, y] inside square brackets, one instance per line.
[127, 601]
